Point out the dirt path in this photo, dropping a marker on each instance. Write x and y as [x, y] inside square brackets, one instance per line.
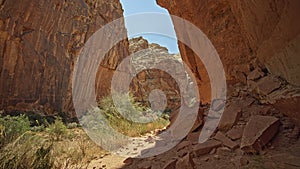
[107, 162]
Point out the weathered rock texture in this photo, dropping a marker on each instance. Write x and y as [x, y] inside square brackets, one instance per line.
[39, 43]
[258, 44]
[247, 35]
[147, 80]
[258, 132]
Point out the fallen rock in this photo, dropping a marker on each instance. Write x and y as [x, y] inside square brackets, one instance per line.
[182, 145]
[183, 148]
[144, 165]
[285, 100]
[255, 74]
[226, 141]
[267, 84]
[193, 137]
[185, 162]
[290, 107]
[240, 76]
[247, 101]
[244, 161]
[206, 147]
[235, 133]
[258, 132]
[170, 164]
[128, 161]
[229, 117]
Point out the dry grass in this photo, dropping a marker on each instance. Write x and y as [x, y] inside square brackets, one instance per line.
[125, 126]
[73, 149]
[58, 146]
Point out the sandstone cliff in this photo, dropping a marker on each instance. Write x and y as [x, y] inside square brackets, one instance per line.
[39, 42]
[249, 36]
[144, 55]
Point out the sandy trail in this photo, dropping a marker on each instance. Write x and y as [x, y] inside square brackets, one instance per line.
[107, 162]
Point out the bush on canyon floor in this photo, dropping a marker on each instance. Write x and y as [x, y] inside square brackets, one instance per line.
[58, 129]
[42, 149]
[124, 124]
[11, 127]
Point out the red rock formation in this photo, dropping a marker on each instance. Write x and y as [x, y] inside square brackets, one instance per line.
[151, 79]
[246, 34]
[39, 42]
[242, 30]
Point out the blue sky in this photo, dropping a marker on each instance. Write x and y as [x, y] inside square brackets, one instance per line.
[133, 7]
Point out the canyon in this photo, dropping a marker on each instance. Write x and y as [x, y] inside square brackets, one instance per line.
[258, 43]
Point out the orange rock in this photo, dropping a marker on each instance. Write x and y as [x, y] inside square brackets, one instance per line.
[258, 132]
[235, 133]
[230, 116]
[226, 141]
[170, 164]
[185, 162]
[206, 147]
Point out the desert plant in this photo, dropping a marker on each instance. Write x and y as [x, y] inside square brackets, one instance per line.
[26, 152]
[12, 127]
[40, 128]
[57, 129]
[122, 121]
[43, 158]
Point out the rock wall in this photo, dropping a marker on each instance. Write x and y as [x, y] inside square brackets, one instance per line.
[39, 42]
[272, 31]
[245, 34]
[252, 38]
[144, 54]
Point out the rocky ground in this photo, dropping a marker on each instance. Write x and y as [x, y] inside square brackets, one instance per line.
[251, 134]
[260, 137]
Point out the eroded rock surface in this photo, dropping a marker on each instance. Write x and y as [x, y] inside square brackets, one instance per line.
[251, 38]
[39, 44]
[144, 56]
[258, 132]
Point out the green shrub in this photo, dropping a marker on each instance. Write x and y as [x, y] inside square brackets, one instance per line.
[11, 127]
[57, 129]
[38, 128]
[30, 150]
[124, 124]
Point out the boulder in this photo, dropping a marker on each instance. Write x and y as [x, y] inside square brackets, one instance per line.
[170, 164]
[144, 165]
[258, 132]
[229, 117]
[206, 147]
[225, 140]
[267, 85]
[185, 162]
[235, 133]
[255, 74]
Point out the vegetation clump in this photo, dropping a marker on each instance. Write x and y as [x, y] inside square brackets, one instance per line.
[11, 127]
[123, 123]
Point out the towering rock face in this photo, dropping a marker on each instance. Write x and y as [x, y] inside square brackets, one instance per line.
[272, 31]
[252, 38]
[145, 54]
[244, 33]
[39, 44]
